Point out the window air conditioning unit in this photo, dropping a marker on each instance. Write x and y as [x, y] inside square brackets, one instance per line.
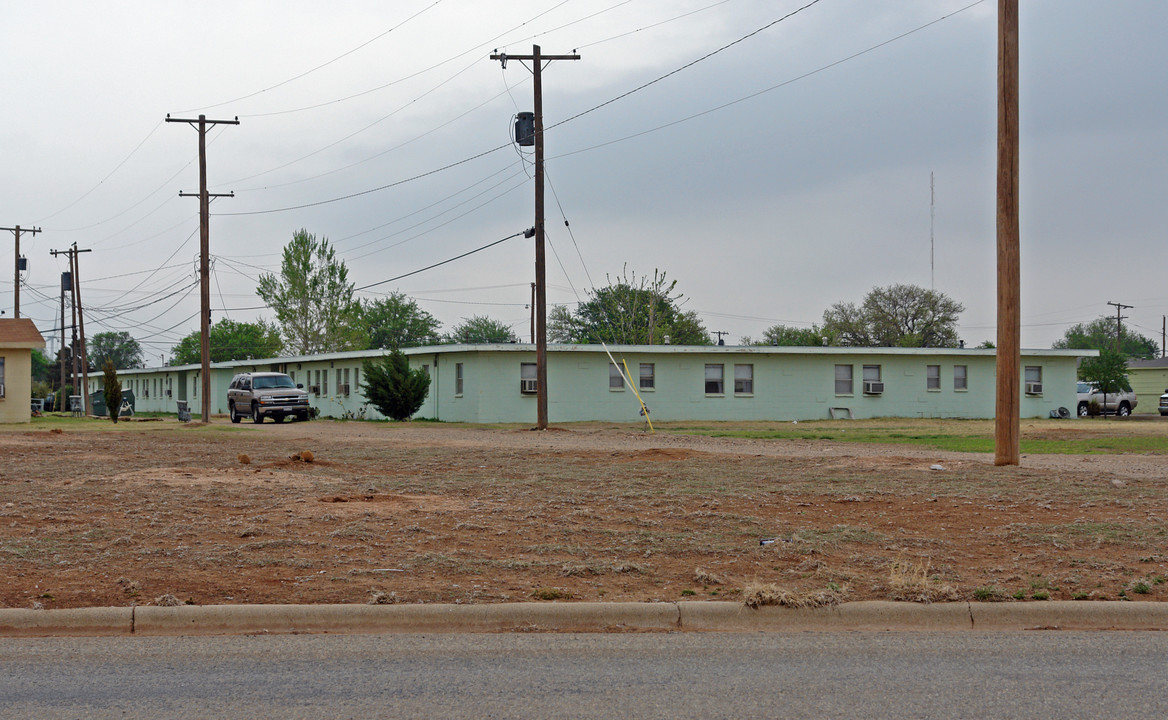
[1033, 388]
[528, 386]
[873, 387]
[343, 389]
[315, 389]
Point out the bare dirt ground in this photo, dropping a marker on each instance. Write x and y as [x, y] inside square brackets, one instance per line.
[162, 513]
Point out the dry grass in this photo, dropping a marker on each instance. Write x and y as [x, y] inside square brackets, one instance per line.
[911, 582]
[759, 595]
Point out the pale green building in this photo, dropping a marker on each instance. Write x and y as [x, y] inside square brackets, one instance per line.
[496, 382]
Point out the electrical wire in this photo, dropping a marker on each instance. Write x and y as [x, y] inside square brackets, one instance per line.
[438, 264]
[318, 67]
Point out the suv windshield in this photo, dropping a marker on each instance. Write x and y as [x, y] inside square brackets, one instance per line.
[272, 381]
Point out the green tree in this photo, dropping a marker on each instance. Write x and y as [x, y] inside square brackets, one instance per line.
[481, 329]
[895, 316]
[392, 387]
[1099, 334]
[230, 340]
[396, 321]
[788, 336]
[123, 350]
[113, 389]
[630, 310]
[1108, 372]
[40, 367]
[313, 298]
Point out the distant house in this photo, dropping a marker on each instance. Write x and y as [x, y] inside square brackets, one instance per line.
[18, 337]
[497, 382]
[1149, 380]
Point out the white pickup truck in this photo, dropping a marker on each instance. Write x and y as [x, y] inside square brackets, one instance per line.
[1120, 403]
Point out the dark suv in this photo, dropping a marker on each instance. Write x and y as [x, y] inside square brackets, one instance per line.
[266, 394]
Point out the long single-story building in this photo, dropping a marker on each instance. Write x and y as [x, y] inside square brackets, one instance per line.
[497, 382]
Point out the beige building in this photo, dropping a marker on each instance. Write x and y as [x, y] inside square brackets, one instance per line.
[18, 337]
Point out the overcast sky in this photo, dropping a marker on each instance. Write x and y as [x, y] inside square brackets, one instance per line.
[789, 171]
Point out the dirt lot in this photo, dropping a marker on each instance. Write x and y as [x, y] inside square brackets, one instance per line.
[159, 512]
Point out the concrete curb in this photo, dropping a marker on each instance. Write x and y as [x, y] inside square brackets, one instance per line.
[691, 616]
[505, 617]
[105, 621]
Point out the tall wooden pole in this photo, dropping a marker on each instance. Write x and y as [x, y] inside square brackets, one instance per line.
[1008, 404]
[537, 58]
[81, 329]
[204, 258]
[540, 267]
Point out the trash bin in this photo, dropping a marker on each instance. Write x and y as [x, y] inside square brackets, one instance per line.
[184, 411]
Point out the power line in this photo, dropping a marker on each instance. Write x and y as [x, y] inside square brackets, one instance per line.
[444, 262]
[318, 67]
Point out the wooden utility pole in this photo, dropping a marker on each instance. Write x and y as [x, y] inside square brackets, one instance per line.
[60, 407]
[1119, 318]
[201, 124]
[81, 329]
[537, 59]
[1008, 409]
[74, 288]
[16, 285]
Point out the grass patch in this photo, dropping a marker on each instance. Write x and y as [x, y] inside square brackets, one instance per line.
[950, 434]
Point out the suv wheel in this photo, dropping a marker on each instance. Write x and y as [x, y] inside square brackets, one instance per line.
[1083, 409]
[255, 416]
[235, 418]
[1124, 410]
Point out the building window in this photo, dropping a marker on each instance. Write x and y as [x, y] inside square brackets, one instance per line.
[843, 379]
[426, 370]
[324, 383]
[357, 378]
[933, 377]
[648, 376]
[340, 385]
[2, 388]
[1033, 380]
[528, 378]
[458, 379]
[960, 377]
[715, 384]
[873, 385]
[616, 381]
[743, 379]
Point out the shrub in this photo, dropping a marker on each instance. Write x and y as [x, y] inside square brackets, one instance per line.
[393, 388]
[113, 389]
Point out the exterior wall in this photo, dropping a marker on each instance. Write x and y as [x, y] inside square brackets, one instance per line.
[786, 386]
[788, 383]
[1148, 384]
[15, 406]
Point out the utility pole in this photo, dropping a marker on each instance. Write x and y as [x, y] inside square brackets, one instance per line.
[64, 281]
[537, 59]
[201, 124]
[81, 328]
[16, 285]
[533, 313]
[71, 282]
[1119, 318]
[1008, 401]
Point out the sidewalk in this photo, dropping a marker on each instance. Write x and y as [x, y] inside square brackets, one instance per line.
[580, 617]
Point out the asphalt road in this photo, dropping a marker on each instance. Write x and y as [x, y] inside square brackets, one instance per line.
[648, 675]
